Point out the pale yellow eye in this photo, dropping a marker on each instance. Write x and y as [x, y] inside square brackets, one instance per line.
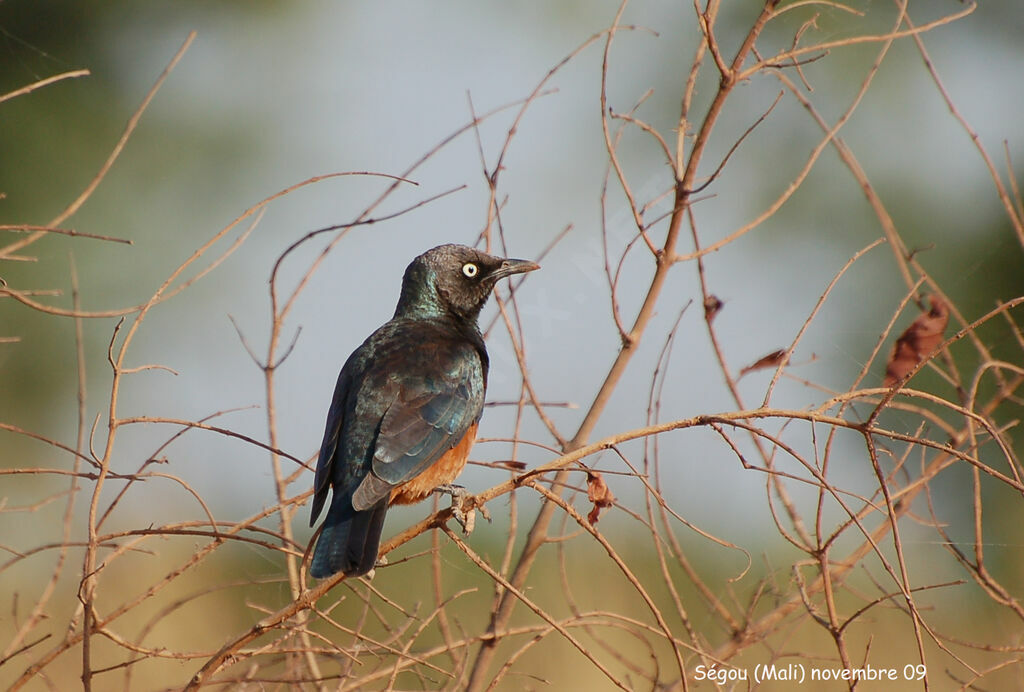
[470, 270]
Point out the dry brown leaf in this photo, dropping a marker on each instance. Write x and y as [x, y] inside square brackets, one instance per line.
[770, 361]
[503, 464]
[514, 465]
[711, 307]
[599, 493]
[917, 342]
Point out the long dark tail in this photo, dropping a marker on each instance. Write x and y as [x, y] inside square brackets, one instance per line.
[349, 540]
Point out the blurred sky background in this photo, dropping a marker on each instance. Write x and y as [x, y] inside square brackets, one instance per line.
[273, 93]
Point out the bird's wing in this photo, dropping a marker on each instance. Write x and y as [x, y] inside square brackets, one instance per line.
[430, 414]
[329, 446]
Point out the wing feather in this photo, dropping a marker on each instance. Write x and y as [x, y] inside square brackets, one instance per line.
[430, 415]
[329, 446]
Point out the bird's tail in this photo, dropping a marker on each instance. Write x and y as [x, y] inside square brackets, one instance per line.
[349, 540]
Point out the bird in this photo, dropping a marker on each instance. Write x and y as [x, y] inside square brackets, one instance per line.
[406, 405]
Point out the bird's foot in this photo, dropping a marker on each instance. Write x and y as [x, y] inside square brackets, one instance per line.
[382, 561]
[456, 491]
[464, 506]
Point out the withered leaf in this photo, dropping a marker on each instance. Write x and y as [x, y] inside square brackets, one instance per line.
[501, 464]
[918, 341]
[711, 307]
[509, 464]
[769, 361]
[599, 493]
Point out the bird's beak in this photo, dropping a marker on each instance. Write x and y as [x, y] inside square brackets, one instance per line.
[513, 266]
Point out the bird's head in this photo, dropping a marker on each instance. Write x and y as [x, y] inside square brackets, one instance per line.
[455, 280]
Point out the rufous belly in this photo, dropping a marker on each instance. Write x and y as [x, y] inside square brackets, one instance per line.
[441, 472]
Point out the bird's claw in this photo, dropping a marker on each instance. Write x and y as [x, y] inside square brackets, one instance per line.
[382, 561]
[464, 506]
[452, 489]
